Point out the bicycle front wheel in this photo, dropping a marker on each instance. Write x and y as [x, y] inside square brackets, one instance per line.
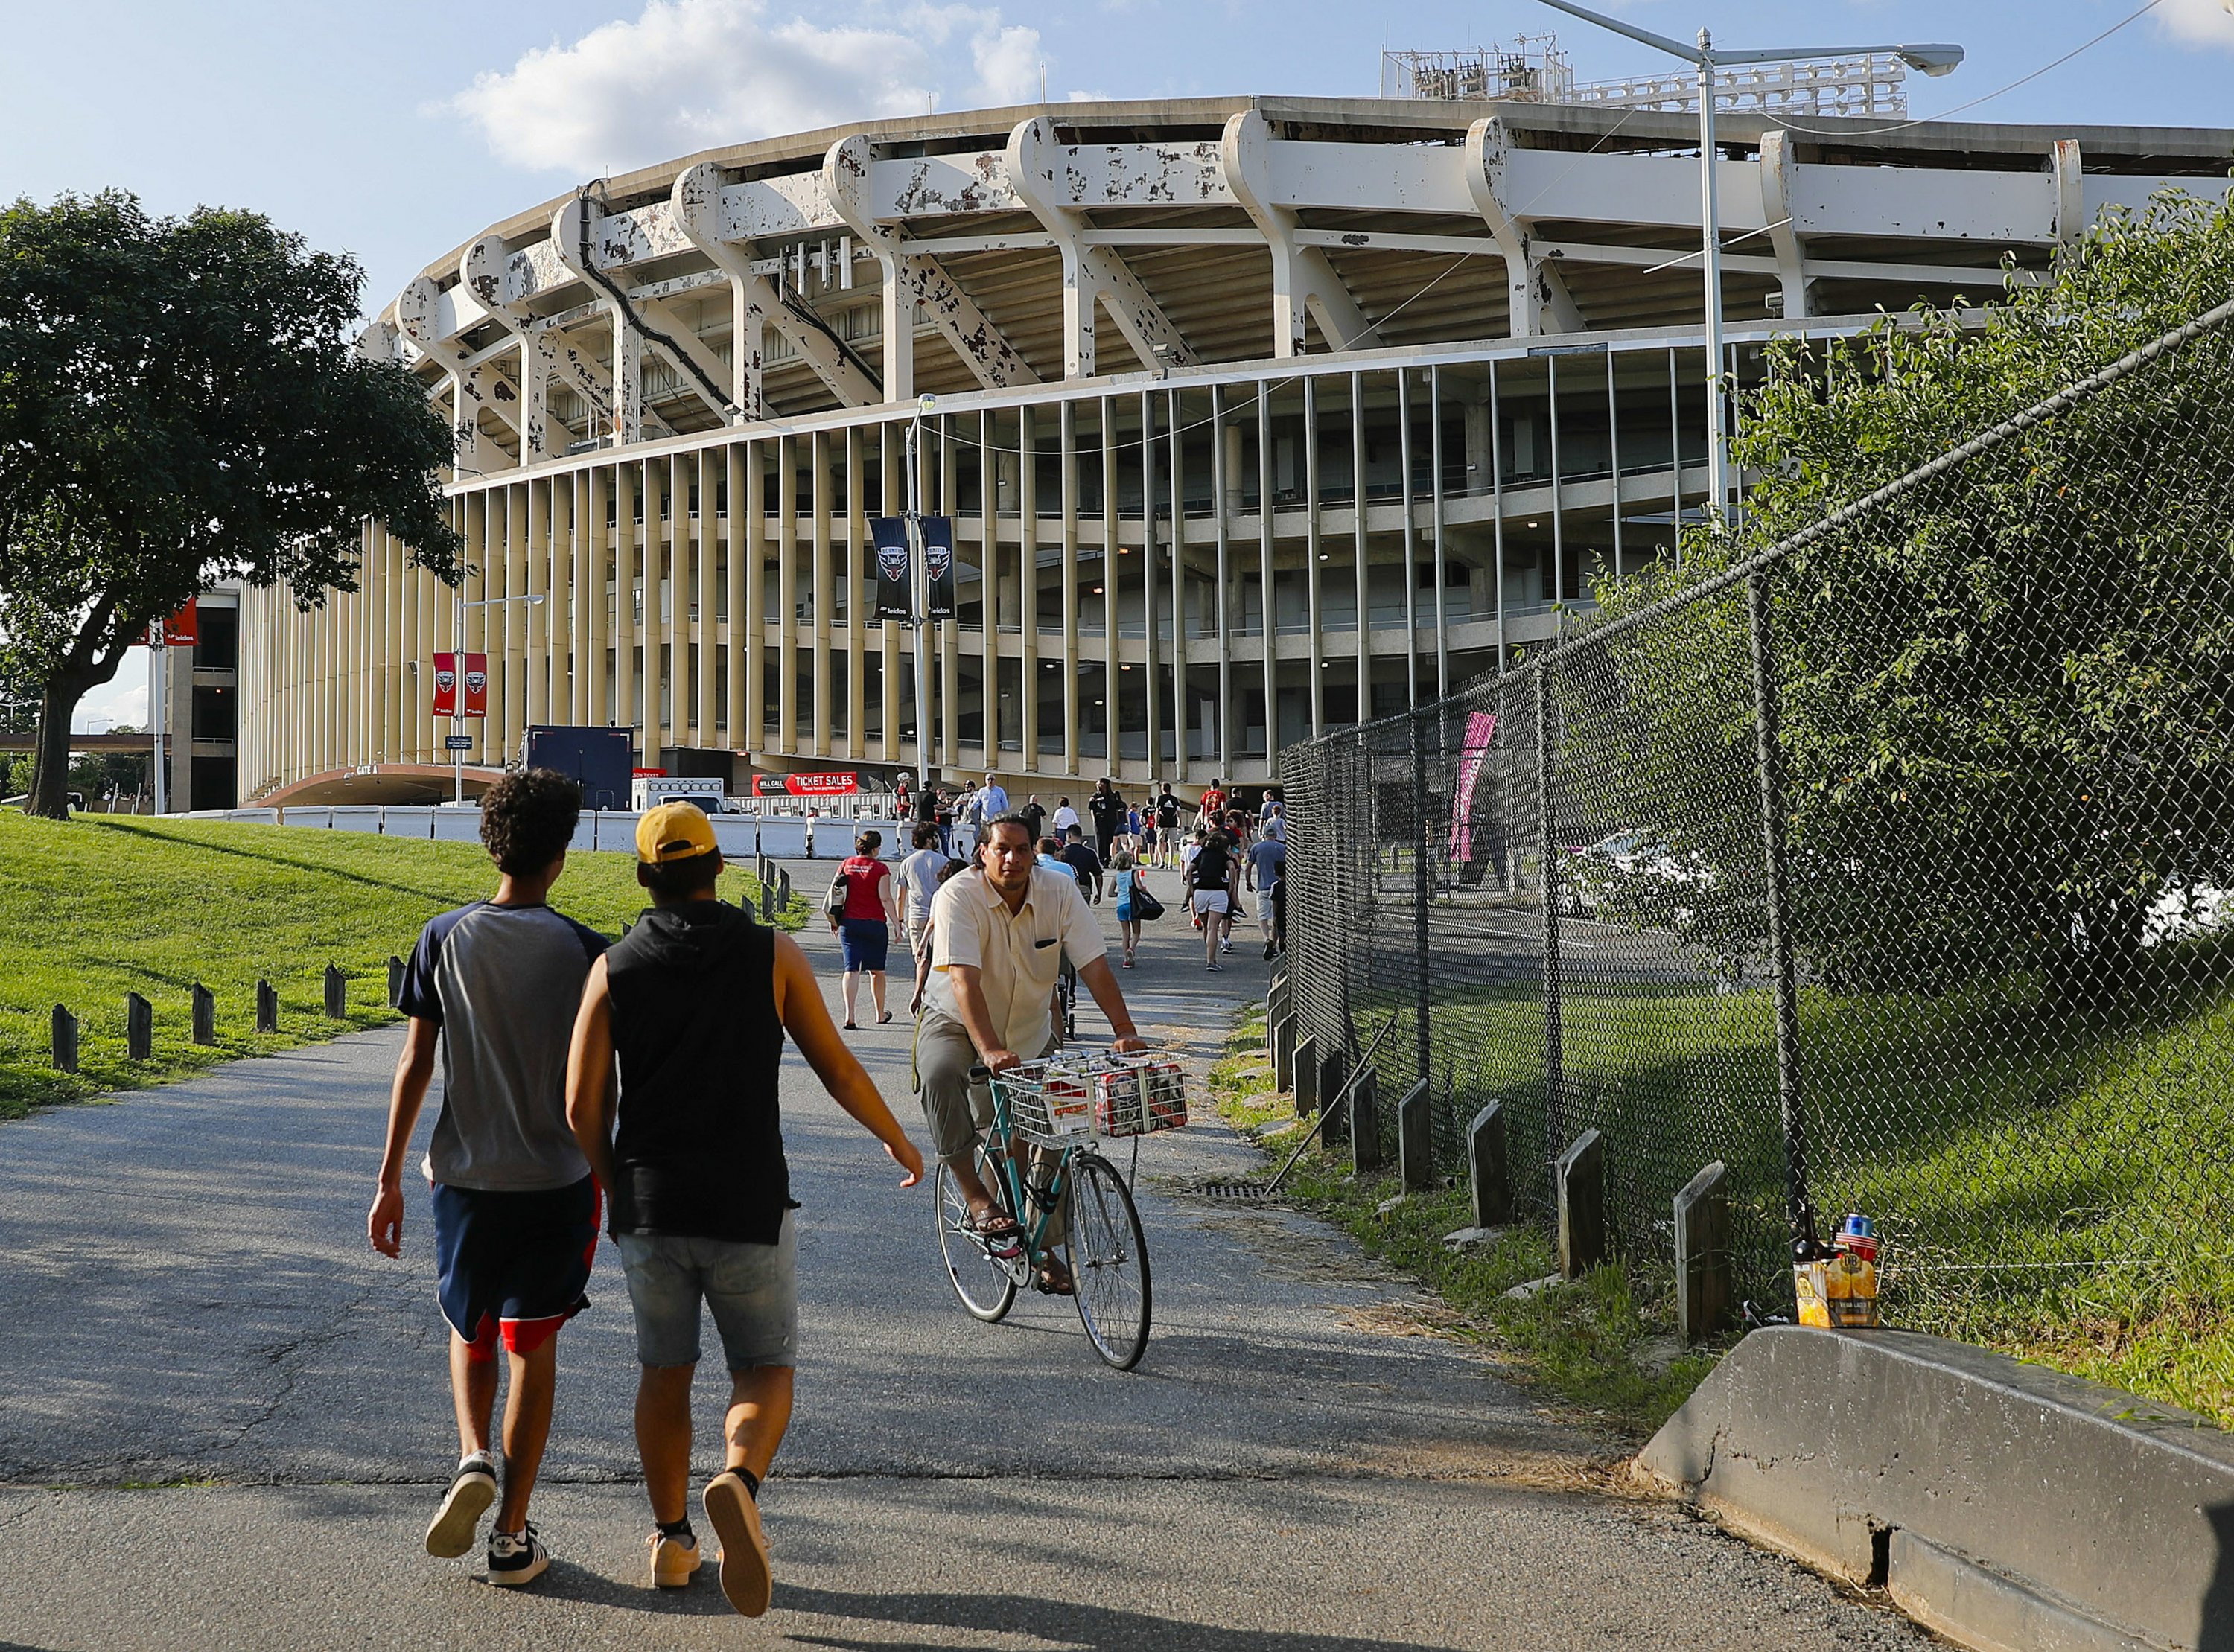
[1108, 1262]
[985, 1282]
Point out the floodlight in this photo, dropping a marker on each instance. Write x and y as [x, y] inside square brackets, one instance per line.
[1936, 60]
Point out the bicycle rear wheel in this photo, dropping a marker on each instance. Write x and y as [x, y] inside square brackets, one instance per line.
[986, 1283]
[1108, 1262]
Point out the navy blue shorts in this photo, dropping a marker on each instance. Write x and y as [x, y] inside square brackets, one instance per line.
[865, 942]
[514, 1262]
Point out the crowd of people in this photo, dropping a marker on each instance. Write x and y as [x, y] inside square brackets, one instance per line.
[632, 1087]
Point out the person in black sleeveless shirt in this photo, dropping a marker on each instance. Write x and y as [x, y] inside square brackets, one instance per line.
[694, 1005]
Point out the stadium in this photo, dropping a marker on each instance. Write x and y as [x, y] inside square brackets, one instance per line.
[1253, 417]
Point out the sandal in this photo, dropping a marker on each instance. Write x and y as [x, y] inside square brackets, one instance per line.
[882, 1019]
[1054, 1279]
[851, 1028]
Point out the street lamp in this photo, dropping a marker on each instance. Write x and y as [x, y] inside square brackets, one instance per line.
[1932, 60]
[458, 701]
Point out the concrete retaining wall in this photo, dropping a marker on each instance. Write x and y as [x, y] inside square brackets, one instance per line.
[2003, 1504]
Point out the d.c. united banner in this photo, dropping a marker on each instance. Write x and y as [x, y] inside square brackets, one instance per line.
[447, 685]
[890, 535]
[938, 559]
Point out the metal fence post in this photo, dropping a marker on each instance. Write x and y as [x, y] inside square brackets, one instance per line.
[1421, 837]
[1547, 875]
[1800, 1208]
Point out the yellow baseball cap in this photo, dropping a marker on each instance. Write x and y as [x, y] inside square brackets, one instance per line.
[673, 832]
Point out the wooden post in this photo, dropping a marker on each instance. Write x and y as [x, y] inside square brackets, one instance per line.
[1581, 1178]
[1703, 1290]
[1306, 1060]
[1488, 1170]
[336, 994]
[1365, 1124]
[267, 1008]
[394, 981]
[64, 1038]
[139, 1027]
[1415, 1140]
[205, 1016]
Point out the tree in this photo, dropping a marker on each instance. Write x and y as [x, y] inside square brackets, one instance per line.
[180, 404]
[2007, 697]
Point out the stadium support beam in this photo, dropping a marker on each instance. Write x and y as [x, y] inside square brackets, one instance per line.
[1776, 213]
[418, 309]
[1539, 300]
[545, 353]
[1091, 274]
[755, 305]
[636, 322]
[2070, 194]
[1304, 279]
[912, 279]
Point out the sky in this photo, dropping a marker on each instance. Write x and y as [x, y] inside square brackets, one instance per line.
[395, 132]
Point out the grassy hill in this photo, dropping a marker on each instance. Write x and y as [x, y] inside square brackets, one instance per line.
[96, 907]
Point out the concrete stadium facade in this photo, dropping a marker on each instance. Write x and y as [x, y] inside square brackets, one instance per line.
[1256, 417]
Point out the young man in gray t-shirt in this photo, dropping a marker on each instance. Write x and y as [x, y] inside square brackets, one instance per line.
[494, 986]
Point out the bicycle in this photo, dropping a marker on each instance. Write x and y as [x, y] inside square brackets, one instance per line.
[1105, 1250]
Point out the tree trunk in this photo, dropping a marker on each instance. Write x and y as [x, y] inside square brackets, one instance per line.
[50, 780]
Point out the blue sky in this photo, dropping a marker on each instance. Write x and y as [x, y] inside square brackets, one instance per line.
[394, 131]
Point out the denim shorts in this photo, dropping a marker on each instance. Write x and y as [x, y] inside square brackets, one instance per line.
[753, 1290]
[865, 942]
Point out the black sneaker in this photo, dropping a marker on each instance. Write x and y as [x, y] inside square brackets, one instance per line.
[472, 1488]
[517, 1558]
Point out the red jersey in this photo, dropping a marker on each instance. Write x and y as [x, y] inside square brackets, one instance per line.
[864, 891]
[1213, 804]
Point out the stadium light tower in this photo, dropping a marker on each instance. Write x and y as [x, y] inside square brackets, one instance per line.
[1934, 61]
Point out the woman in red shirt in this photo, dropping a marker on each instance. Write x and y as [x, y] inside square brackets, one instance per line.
[865, 931]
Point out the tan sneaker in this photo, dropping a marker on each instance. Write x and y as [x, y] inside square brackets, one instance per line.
[472, 1488]
[746, 1578]
[674, 1560]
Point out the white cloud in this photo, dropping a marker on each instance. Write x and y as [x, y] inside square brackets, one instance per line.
[2207, 22]
[688, 75]
[123, 698]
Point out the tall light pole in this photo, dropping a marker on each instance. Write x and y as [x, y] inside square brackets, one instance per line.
[1931, 60]
[919, 572]
[458, 691]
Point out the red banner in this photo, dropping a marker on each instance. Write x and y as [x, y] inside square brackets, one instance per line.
[477, 685]
[843, 785]
[182, 630]
[445, 685]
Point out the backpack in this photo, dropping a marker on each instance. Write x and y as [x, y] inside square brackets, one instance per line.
[1146, 908]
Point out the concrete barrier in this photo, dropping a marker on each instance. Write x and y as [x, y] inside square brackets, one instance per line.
[411, 820]
[2004, 1505]
[355, 817]
[253, 817]
[454, 825]
[739, 836]
[309, 815]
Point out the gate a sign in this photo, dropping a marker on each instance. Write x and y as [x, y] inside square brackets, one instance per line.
[447, 685]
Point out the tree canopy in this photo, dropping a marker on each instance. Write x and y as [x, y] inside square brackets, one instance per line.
[180, 404]
[2007, 698]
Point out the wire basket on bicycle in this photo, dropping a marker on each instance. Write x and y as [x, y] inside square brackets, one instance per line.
[1060, 1102]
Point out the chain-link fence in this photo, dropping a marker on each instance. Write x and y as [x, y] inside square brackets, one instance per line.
[1891, 863]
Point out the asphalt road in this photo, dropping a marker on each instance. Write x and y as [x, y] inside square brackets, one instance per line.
[223, 1419]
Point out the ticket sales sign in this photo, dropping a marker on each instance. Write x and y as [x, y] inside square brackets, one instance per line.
[837, 785]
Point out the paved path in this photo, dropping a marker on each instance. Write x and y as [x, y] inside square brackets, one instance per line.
[222, 1419]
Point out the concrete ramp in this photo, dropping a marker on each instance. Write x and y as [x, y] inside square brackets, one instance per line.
[2004, 1505]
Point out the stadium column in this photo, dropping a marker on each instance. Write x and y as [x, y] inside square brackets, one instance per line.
[891, 497]
[820, 598]
[1265, 537]
[1113, 661]
[948, 748]
[566, 546]
[1363, 710]
[849, 571]
[626, 481]
[1314, 686]
[1225, 488]
[1411, 540]
[534, 619]
[592, 634]
[1442, 582]
[434, 633]
[988, 587]
[1177, 712]
[706, 535]
[786, 589]
[676, 528]
[1067, 437]
[1027, 600]
[1151, 597]
[738, 547]
[753, 655]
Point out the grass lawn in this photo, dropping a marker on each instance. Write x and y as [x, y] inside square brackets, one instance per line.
[95, 907]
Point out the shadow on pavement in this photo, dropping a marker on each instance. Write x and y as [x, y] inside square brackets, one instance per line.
[1102, 1629]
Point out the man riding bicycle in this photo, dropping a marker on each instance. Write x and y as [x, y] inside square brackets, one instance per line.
[999, 933]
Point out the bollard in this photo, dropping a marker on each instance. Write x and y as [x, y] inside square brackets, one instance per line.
[267, 1008]
[1306, 1063]
[783, 888]
[1702, 1255]
[767, 902]
[205, 1016]
[1337, 1104]
[139, 1027]
[1284, 1054]
[1334, 1066]
[1487, 1168]
[336, 994]
[1415, 1140]
[1580, 1175]
[394, 981]
[1365, 1124]
[64, 1040]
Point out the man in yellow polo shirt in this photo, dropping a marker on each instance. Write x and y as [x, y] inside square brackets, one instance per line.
[998, 934]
